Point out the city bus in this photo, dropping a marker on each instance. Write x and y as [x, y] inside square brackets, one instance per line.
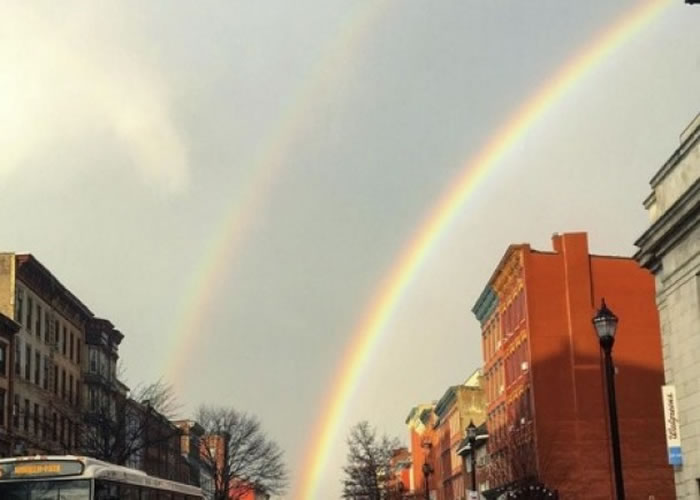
[82, 478]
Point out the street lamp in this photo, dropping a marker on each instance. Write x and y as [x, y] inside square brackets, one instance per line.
[471, 437]
[427, 470]
[605, 323]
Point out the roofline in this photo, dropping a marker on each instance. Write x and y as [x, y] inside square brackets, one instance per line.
[28, 257]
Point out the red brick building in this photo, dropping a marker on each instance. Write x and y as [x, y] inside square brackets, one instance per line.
[546, 410]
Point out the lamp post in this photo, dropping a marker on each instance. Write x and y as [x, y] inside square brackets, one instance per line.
[427, 470]
[605, 323]
[471, 437]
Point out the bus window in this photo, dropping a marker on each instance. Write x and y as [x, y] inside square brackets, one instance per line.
[105, 490]
[45, 490]
[128, 492]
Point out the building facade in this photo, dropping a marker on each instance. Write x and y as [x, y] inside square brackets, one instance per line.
[670, 249]
[8, 330]
[546, 406]
[421, 421]
[46, 369]
[459, 406]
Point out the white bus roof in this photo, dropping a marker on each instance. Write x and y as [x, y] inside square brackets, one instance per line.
[97, 469]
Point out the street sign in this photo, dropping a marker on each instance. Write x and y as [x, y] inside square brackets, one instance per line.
[673, 432]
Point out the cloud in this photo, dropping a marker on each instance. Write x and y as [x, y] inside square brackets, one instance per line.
[68, 75]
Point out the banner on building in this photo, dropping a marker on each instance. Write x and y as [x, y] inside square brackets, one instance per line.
[671, 424]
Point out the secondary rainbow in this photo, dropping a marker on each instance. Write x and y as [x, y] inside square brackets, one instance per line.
[265, 168]
[437, 223]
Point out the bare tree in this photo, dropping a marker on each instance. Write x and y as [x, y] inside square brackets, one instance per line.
[239, 455]
[368, 472]
[119, 426]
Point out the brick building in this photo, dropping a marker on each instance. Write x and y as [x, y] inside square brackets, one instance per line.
[546, 409]
[670, 249]
[420, 421]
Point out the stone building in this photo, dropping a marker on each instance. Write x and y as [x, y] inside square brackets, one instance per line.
[670, 249]
[8, 330]
[46, 399]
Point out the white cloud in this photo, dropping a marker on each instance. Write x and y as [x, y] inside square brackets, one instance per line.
[67, 74]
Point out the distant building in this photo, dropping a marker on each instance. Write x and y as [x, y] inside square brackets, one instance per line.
[546, 407]
[459, 405]
[420, 421]
[8, 330]
[400, 481]
[670, 248]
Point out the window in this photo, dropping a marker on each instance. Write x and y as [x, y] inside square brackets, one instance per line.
[15, 412]
[28, 363]
[47, 326]
[45, 383]
[77, 351]
[36, 419]
[63, 429]
[37, 368]
[3, 359]
[54, 434]
[38, 320]
[18, 357]
[63, 383]
[77, 392]
[26, 415]
[2, 407]
[30, 306]
[70, 388]
[91, 398]
[92, 353]
[64, 340]
[19, 305]
[55, 380]
[70, 349]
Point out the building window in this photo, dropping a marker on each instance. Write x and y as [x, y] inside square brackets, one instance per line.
[92, 353]
[30, 307]
[19, 305]
[70, 388]
[37, 368]
[2, 407]
[3, 359]
[77, 351]
[47, 326]
[70, 347]
[54, 434]
[15, 412]
[45, 383]
[55, 380]
[63, 429]
[38, 321]
[77, 392]
[36, 419]
[28, 364]
[63, 383]
[64, 340]
[18, 357]
[91, 398]
[26, 415]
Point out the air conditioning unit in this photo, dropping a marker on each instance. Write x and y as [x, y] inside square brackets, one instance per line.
[524, 366]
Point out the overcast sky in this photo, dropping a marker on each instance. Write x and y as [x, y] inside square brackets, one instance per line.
[129, 129]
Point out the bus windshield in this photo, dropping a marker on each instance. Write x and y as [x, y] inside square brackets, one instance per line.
[46, 490]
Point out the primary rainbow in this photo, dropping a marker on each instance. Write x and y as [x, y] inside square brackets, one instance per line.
[335, 60]
[438, 221]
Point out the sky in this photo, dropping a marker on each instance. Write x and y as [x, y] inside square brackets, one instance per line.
[316, 135]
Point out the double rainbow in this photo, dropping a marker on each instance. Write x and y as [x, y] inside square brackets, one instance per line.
[368, 332]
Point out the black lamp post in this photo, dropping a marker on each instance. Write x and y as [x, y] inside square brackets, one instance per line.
[605, 323]
[471, 437]
[427, 470]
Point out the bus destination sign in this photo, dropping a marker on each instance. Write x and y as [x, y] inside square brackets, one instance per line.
[40, 468]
